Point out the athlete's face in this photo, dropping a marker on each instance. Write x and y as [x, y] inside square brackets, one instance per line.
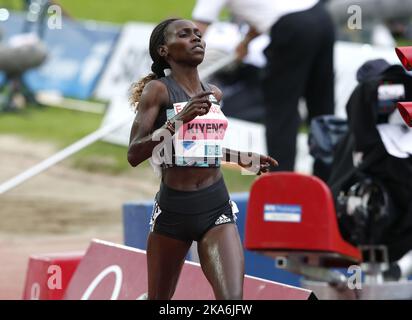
[184, 43]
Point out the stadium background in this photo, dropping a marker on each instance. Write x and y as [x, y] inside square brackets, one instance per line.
[82, 197]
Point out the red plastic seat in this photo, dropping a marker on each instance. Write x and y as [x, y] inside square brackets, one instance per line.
[294, 214]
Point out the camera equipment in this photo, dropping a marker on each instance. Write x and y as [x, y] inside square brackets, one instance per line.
[363, 212]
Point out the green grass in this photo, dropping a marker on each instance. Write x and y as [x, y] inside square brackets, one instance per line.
[59, 126]
[11, 4]
[104, 158]
[235, 181]
[401, 42]
[121, 11]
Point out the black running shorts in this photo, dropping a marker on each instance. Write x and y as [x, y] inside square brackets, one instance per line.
[188, 215]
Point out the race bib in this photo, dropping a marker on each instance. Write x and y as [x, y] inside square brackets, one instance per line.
[202, 137]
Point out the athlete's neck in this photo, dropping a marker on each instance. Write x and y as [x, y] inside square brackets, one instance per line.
[188, 79]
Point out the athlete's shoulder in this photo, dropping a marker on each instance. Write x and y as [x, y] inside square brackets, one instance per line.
[155, 90]
[156, 86]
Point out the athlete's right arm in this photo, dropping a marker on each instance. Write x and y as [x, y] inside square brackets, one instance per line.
[142, 138]
[141, 143]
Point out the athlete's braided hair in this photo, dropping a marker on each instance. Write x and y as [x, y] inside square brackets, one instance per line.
[157, 38]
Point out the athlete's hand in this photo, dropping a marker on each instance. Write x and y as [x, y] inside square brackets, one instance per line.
[256, 163]
[198, 105]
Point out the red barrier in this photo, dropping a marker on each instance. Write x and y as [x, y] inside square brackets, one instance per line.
[111, 271]
[48, 275]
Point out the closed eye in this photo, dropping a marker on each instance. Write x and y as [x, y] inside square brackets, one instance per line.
[187, 32]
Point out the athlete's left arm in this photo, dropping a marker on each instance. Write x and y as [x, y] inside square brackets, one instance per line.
[251, 161]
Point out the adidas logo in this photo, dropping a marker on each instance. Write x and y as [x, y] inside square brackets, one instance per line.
[222, 219]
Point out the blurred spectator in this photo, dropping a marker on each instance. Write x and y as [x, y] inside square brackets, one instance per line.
[299, 62]
[400, 27]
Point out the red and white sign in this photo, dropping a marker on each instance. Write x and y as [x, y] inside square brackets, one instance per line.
[117, 272]
[48, 275]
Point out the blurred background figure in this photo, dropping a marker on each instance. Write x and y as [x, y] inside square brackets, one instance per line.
[20, 53]
[299, 63]
[23, 52]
